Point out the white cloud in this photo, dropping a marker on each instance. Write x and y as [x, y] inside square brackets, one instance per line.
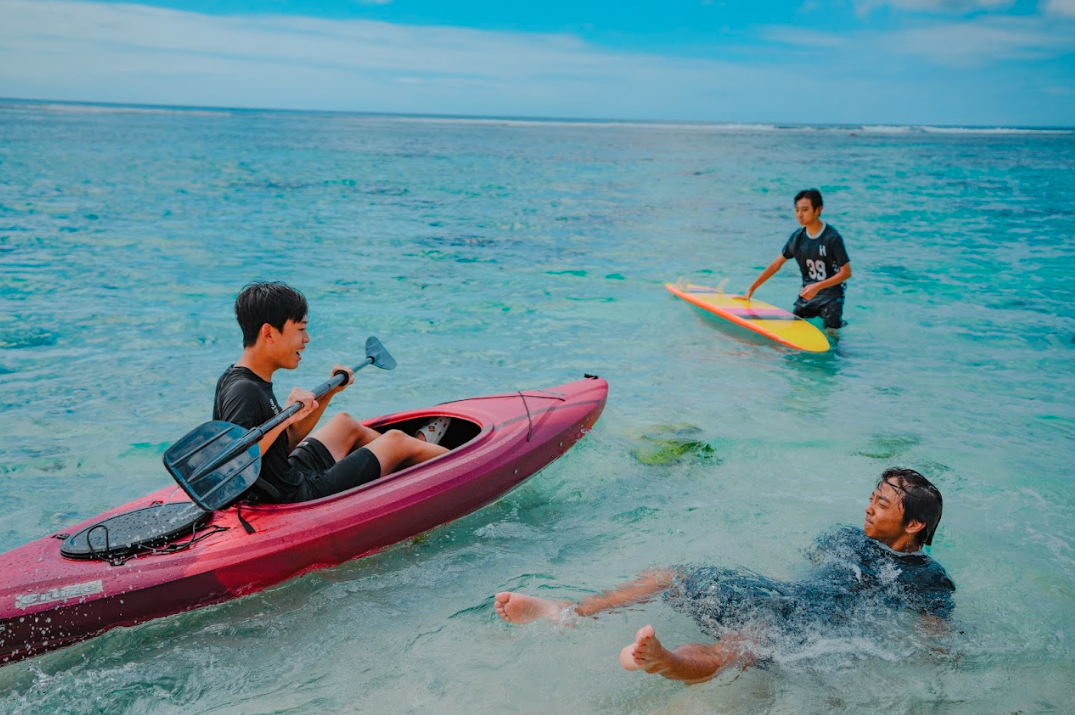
[1064, 8]
[127, 53]
[934, 6]
[980, 42]
[804, 38]
[977, 42]
[83, 51]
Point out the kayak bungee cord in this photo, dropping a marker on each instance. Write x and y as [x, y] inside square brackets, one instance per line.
[529, 420]
[171, 548]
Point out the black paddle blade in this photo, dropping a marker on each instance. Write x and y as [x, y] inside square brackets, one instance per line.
[224, 485]
[380, 356]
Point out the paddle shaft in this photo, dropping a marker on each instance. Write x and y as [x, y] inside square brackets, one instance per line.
[255, 434]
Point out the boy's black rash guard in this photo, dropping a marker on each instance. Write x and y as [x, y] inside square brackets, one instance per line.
[818, 258]
[852, 574]
[245, 399]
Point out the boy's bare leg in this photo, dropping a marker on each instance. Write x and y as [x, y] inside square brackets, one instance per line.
[344, 434]
[646, 586]
[691, 663]
[520, 608]
[396, 450]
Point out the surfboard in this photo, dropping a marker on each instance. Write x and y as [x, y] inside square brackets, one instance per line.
[768, 320]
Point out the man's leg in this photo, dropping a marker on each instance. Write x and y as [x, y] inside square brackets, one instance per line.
[398, 450]
[833, 314]
[394, 449]
[344, 434]
[690, 663]
[520, 608]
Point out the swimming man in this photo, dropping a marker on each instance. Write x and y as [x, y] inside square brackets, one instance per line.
[876, 570]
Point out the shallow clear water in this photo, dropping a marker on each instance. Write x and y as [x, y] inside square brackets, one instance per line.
[494, 256]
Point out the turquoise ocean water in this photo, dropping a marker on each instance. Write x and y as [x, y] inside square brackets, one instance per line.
[494, 255]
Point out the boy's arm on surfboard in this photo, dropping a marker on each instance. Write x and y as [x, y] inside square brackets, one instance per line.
[771, 269]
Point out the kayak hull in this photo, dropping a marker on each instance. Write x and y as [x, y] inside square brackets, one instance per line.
[48, 601]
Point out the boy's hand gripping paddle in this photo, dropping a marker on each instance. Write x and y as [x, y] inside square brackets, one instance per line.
[217, 462]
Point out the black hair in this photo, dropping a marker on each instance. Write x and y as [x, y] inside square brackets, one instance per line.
[813, 194]
[261, 302]
[921, 500]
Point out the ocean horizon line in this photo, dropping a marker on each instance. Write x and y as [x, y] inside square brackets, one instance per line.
[61, 105]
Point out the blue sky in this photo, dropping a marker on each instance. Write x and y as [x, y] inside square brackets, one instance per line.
[961, 62]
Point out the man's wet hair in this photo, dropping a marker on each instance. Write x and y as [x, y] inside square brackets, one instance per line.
[262, 302]
[921, 500]
[813, 194]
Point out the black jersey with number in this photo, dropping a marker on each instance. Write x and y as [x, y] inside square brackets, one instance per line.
[819, 258]
[245, 399]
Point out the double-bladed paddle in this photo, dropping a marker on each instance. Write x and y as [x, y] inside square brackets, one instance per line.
[217, 462]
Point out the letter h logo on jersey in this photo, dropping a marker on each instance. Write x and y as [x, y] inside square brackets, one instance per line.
[822, 250]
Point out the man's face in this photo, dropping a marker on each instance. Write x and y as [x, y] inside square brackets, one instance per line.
[805, 213]
[289, 343]
[884, 515]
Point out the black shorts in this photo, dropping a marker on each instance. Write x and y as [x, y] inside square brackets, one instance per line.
[831, 310]
[325, 476]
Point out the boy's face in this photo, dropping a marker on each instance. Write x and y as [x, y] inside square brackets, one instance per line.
[884, 515]
[805, 213]
[289, 343]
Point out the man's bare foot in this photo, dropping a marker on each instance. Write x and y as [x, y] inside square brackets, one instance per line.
[646, 653]
[519, 608]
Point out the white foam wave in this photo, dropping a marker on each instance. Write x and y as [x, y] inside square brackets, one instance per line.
[705, 127]
[112, 109]
[822, 649]
[730, 127]
[886, 129]
[994, 130]
[585, 123]
[932, 129]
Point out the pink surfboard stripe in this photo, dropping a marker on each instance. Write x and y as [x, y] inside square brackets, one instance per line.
[760, 313]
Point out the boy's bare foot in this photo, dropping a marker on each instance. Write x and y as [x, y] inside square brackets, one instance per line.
[646, 653]
[519, 608]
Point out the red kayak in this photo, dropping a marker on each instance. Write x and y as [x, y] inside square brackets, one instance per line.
[49, 599]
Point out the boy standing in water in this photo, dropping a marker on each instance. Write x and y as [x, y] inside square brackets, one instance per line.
[297, 466]
[819, 250]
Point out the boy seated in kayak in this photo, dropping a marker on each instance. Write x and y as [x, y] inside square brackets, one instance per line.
[860, 576]
[297, 465]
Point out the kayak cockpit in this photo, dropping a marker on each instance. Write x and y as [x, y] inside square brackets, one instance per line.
[460, 431]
